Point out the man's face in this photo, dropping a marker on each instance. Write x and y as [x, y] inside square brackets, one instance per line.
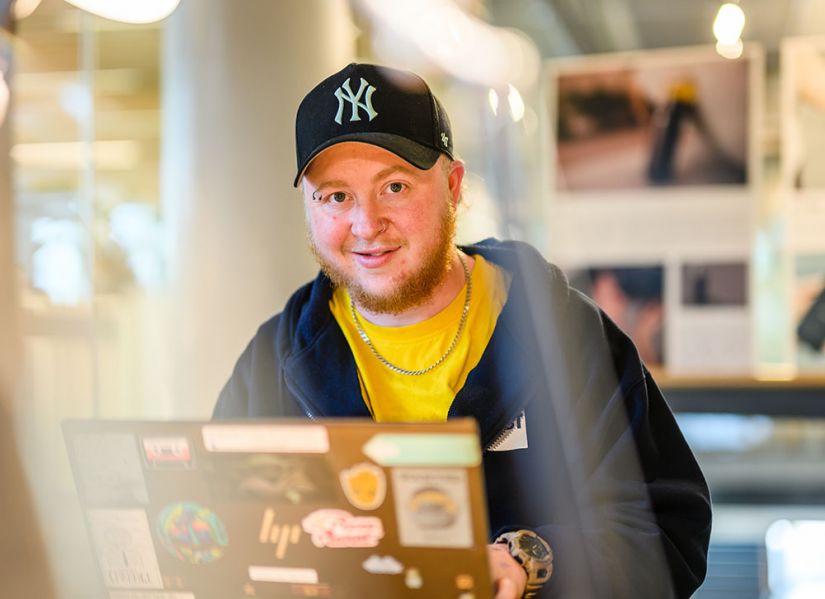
[379, 226]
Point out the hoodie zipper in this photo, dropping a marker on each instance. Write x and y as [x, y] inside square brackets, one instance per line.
[500, 439]
[299, 398]
[507, 432]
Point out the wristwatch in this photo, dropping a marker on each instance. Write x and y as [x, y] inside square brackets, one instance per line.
[534, 555]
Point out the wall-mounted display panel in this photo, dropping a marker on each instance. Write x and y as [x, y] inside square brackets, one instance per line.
[654, 159]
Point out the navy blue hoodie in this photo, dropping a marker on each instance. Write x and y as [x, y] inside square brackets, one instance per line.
[606, 477]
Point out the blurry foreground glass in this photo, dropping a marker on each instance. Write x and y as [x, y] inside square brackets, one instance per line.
[4, 95]
[796, 559]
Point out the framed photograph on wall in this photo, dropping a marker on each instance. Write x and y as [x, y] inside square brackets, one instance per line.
[802, 84]
[654, 159]
[714, 284]
[632, 296]
[803, 114]
[652, 119]
[711, 319]
[808, 309]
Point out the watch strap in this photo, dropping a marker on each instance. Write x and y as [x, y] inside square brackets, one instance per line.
[538, 570]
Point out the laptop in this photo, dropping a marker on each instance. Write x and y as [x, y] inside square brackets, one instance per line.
[283, 508]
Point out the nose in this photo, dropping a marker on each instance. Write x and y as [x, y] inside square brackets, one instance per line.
[366, 219]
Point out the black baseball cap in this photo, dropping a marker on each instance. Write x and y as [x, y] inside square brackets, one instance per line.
[392, 109]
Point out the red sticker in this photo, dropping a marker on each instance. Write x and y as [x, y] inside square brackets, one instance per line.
[337, 528]
[166, 450]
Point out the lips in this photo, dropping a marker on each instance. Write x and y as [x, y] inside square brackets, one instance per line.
[373, 257]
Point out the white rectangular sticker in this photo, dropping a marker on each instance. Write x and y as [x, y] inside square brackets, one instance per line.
[124, 549]
[290, 575]
[432, 507]
[149, 595]
[109, 468]
[514, 436]
[273, 438]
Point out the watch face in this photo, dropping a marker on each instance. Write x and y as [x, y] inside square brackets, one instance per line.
[533, 547]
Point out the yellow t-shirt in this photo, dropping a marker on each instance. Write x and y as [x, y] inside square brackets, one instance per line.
[397, 397]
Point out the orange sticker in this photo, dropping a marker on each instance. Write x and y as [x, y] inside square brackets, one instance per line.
[464, 582]
[365, 486]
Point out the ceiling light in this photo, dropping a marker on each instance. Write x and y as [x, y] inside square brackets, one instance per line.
[128, 11]
[492, 99]
[731, 51]
[23, 8]
[516, 103]
[729, 23]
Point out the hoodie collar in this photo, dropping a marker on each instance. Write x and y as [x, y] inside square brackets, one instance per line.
[320, 370]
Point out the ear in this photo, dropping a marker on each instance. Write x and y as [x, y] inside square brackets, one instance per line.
[305, 192]
[455, 176]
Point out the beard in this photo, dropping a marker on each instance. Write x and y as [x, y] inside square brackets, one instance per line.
[409, 292]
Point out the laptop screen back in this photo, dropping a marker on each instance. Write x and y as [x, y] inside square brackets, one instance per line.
[288, 508]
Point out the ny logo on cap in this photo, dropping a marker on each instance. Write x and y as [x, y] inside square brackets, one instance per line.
[344, 94]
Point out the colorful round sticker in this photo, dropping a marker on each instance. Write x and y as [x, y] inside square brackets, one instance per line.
[191, 532]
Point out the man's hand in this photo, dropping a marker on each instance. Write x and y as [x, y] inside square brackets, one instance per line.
[509, 578]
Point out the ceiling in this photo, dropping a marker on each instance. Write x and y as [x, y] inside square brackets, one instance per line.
[567, 27]
[126, 59]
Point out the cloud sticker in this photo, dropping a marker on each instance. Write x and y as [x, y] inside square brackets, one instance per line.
[382, 564]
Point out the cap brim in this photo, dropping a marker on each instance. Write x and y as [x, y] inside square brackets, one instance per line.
[420, 156]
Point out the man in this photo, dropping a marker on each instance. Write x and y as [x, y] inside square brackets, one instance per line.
[602, 497]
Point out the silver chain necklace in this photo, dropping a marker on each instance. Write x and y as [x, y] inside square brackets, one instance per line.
[461, 324]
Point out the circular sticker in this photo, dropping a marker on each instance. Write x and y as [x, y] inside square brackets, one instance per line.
[433, 508]
[191, 532]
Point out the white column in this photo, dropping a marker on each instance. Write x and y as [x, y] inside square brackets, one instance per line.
[233, 75]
